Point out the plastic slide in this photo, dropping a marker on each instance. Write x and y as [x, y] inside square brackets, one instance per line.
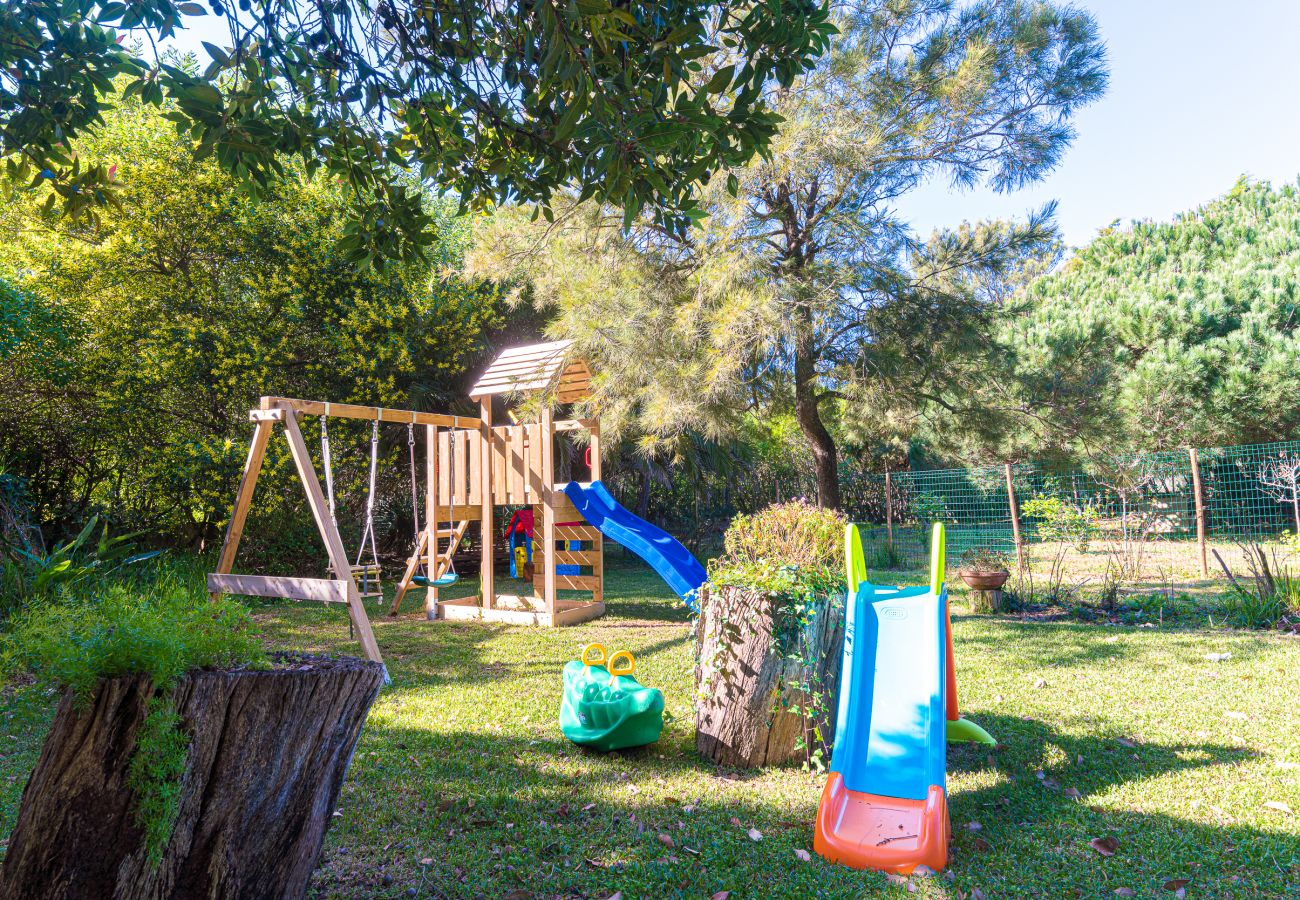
[885, 804]
[662, 551]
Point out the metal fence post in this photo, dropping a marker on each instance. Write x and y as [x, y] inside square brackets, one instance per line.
[1200, 509]
[1015, 518]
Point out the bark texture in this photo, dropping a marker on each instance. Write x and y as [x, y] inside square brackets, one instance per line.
[268, 753]
[749, 704]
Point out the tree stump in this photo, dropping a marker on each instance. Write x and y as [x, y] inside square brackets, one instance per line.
[986, 601]
[752, 708]
[268, 753]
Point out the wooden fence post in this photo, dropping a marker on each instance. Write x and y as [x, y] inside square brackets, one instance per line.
[1200, 509]
[1015, 518]
[889, 510]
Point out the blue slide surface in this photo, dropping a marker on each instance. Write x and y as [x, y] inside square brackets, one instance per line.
[890, 734]
[661, 550]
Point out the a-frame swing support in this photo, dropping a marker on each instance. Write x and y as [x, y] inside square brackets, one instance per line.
[328, 590]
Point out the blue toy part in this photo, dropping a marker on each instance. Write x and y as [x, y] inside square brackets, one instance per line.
[514, 540]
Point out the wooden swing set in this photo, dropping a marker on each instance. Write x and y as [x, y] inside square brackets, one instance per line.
[471, 467]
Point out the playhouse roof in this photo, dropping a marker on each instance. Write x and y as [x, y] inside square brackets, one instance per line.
[536, 367]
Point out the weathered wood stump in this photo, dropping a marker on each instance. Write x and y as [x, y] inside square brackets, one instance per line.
[755, 704]
[268, 753]
[986, 601]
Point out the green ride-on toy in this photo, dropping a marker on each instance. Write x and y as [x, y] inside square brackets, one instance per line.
[604, 707]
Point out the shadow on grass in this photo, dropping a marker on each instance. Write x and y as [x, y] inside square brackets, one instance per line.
[460, 814]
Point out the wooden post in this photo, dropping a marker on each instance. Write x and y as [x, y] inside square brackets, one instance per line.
[488, 528]
[547, 436]
[329, 532]
[889, 510]
[1200, 509]
[598, 545]
[244, 498]
[431, 463]
[1015, 518]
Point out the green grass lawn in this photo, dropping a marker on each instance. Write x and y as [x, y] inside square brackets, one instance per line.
[462, 785]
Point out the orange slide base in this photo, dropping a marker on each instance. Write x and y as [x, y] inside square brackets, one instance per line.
[867, 831]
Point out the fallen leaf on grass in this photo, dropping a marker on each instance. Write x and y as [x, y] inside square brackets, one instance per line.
[1177, 884]
[973, 826]
[803, 855]
[892, 878]
[521, 894]
[981, 845]
[1105, 846]
[735, 821]
[755, 834]
[589, 807]
[1040, 683]
[1218, 657]
[427, 861]
[595, 863]
[1125, 892]
[691, 850]
[1279, 806]
[666, 840]
[1125, 742]
[721, 895]
[1073, 793]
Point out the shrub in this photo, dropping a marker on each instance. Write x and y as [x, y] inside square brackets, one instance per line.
[1056, 519]
[161, 630]
[787, 534]
[985, 559]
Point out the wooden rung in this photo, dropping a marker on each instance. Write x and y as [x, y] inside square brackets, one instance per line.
[576, 533]
[577, 557]
[577, 582]
[325, 590]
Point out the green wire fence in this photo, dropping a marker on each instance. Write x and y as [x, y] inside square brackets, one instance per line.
[1157, 517]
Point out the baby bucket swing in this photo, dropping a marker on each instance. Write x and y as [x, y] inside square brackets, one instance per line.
[421, 576]
[366, 574]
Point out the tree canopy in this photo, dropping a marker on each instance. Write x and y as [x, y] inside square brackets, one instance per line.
[1167, 334]
[496, 101]
[803, 290]
[141, 344]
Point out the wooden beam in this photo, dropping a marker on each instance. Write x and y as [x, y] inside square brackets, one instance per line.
[488, 526]
[324, 590]
[369, 413]
[547, 436]
[411, 565]
[1015, 518]
[431, 519]
[329, 532]
[243, 498]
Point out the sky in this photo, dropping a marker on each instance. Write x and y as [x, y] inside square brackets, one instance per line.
[1201, 92]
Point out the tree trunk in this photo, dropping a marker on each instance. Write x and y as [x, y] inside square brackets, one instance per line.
[754, 705]
[807, 408]
[268, 753]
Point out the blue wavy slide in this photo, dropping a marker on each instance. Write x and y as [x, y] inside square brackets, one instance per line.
[661, 550]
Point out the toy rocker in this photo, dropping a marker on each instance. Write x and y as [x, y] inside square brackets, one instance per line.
[604, 707]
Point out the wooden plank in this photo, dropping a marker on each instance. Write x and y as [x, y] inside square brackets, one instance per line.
[517, 484]
[444, 466]
[595, 446]
[497, 442]
[460, 469]
[474, 467]
[1015, 519]
[325, 590]
[329, 532]
[266, 415]
[458, 513]
[368, 413]
[243, 498]
[565, 511]
[535, 481]
[577, 425]
[577, 582]
[488, 540]
[547, 440]
[568, 557]
[576, 533]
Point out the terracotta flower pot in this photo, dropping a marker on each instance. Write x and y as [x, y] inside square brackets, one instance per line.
[985, 581]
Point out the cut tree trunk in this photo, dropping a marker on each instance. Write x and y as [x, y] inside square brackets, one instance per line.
[268, 753]
[751, 706]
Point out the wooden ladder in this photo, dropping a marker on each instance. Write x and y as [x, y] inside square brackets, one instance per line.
[441, 562]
